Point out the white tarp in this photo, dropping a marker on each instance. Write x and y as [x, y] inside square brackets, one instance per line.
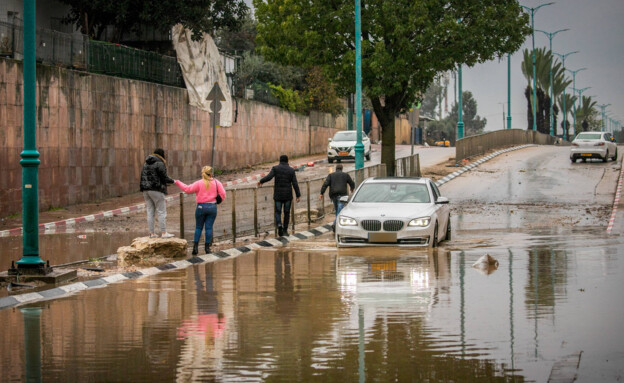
[202, 65]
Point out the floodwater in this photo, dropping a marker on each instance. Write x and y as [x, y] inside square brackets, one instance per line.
[310, 312]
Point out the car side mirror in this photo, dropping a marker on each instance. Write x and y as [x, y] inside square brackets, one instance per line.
[442, 200]
[344, 199]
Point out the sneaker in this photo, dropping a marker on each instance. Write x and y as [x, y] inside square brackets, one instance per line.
[167, 235]
[334, 227]
[152, 235]
[280, 230]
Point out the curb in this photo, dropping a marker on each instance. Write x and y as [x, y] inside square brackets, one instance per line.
[52, 227]
[616, 200]
[63, 291]
[477, 163]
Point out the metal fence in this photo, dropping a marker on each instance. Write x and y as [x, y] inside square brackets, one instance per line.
[122, 61]
[54, 48]
[78, 52]
[249, 210]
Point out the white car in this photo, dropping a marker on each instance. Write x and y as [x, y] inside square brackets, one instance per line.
[342, 146]
[394, 211]
[593, 145]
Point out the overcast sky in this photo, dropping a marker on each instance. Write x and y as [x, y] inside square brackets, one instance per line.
[596, 30]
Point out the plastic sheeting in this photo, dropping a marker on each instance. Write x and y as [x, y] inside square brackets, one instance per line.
[202, 65]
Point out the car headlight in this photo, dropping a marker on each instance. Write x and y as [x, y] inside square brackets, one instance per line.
[420, 222]
[347, 221]
[329, 147]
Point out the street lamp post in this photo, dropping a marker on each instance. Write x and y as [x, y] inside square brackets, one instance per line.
[550, 37]
[359, 147]
[603, 107]
[574, 72]
[460, 121]
[532, 11]
[565, 117]
[580, 92]
[508, 91]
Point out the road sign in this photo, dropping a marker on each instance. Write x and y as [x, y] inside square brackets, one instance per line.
[215, 97]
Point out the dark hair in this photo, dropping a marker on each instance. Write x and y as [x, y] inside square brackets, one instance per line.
[339, 167]
[284, 158]
[160, 152]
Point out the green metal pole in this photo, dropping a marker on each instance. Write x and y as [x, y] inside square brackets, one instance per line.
[460, 121]
[574, 72]
[580, 93]
[565, 115]
[508, 91]
[534, 75]
[350, 112]
[359, 147]
[30, 156]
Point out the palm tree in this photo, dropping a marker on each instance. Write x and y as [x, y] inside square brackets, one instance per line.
[585, 110]
[543, 59]
[569, 101]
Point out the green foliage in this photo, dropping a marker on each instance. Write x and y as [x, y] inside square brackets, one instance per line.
[238, 41]
[405, 44]
[432, 99]
[473, 124]
[93, 16]
[321, 94]
[289, 99]
[255, 68]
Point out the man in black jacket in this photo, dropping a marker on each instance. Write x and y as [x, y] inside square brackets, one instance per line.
[154, 180]
[337, 183]
[285, 181]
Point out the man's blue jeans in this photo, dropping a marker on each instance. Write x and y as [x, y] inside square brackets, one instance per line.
[279, 205]
[337, 207]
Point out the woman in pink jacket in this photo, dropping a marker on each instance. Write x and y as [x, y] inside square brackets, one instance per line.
[206, 191]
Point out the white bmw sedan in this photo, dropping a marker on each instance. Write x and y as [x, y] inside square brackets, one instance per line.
[593, 145]
[393, 211]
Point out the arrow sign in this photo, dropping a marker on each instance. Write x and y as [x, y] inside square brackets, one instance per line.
[215, 97]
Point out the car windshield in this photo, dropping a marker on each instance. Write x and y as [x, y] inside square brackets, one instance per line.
[589, 136]
[393, 193]
[345, 136]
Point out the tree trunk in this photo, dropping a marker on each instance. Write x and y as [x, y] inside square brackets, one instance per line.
[527, 94]
[386, 120]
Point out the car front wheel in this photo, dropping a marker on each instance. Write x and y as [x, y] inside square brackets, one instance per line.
[615, 155]
[434, 241]
[606, 157]
[448, 229]
[330, 160]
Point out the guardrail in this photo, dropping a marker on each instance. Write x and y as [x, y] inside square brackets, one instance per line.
[480, 144]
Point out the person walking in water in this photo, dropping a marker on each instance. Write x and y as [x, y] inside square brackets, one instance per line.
[208, 192]
[337, 183]
[154, 180]
[285, 182]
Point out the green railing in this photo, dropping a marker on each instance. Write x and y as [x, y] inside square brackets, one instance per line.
[122, 61]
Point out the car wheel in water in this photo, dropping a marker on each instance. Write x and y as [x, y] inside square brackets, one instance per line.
[368, 157]
[448, 229]
[615, 155]
[573, 160]
[606, 157]
[434, 242]
[331, 161]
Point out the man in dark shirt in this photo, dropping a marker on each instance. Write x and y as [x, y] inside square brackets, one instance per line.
[337, 183]
[285, 181]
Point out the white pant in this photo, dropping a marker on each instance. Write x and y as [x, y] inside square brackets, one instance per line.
[155, 200]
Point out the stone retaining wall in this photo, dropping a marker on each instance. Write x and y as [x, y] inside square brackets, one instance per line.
[94, 132]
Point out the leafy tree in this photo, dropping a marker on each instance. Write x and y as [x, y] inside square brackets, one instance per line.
[473, 124]
[569, 102]
[586, 113]
[405, 44]
[93, 16]
[240, 40]
[321, 94]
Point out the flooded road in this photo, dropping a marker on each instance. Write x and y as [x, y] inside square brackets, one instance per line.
[310, 312]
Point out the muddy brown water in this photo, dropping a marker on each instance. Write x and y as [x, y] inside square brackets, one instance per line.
[310, 312]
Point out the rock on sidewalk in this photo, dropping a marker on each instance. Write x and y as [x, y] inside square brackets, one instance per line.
[145, 249]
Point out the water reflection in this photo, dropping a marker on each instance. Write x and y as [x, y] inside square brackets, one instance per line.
[297, 315]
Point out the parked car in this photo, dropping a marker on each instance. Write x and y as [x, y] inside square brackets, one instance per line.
[394, 211]
[342, 146]
[593, 145]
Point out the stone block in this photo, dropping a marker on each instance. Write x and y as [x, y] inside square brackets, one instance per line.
[147, 251]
